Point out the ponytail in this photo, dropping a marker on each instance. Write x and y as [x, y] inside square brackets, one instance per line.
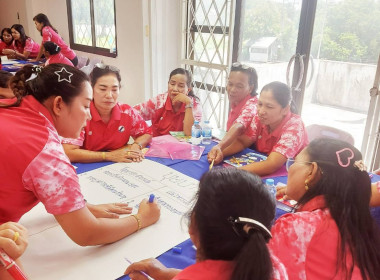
[253, 260]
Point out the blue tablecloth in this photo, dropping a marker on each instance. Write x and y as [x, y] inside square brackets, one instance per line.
[18, 65]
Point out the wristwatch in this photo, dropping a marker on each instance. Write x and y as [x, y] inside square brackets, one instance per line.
[190, 105]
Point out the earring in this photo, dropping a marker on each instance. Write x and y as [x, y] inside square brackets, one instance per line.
[306, 185]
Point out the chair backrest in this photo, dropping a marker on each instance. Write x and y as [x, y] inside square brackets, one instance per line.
[82, 61]
[318, 131]
[88, 68]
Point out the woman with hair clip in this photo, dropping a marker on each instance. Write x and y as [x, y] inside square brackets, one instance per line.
[23, 46]
[174, 110]
[53, 54]
[231, 241]
[106, 135]
[49, 33]
[332, 234]
[275, 131]
[6, 41]
[33, 164]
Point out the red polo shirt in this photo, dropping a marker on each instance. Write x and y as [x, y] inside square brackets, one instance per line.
[243, 112]
[33, 165]
[99, 136]
[288, 139]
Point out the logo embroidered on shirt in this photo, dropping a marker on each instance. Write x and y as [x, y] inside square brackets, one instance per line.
[90, 133]
[121, 128]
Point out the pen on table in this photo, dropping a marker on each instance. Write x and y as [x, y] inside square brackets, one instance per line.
[211, 165]
[12, 268]
[151, 198]
[142, 272]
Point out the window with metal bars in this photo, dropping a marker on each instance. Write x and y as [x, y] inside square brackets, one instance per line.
[92, 26]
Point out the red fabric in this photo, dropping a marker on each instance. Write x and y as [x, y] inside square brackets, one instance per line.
[160, 111]
[48, 34]
[33, 165]
[243, 112]
[288, 139]
[58, 58]
[98, 136]
[4, 46]
[30, 46]
[222, 270]
[307, 243]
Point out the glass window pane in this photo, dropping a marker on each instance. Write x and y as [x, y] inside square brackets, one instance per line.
[104, 18]
[81, 19]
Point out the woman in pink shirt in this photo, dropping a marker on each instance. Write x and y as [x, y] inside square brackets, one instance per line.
[54, 55]
[229, 225]
[24, 46]
[331, 235]
[275, 131]
[49, 33]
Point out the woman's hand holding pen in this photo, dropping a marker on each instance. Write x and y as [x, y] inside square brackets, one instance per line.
[153, 268]
[13, 239]
[110, 210]
[215, 154]
[149, 213]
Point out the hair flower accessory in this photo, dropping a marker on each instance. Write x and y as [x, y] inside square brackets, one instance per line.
[36, 69]
[359, 164]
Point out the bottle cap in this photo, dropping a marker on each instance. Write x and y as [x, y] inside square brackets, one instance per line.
[269, 182]
[196, 122]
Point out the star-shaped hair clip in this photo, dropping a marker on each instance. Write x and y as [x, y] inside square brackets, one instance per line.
[64, 75]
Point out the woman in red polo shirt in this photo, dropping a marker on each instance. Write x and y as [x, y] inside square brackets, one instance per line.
[6, 41]
[23, 46]
[331, 235]
[275, 130]
[106, 135]
[33, 164]
[174, 110]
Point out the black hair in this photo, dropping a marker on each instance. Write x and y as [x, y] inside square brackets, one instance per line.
[101, 70]
[42, 18]
[225, 194]
[347, 191]
[251, 73]
[189, 79]
[4, 78]
[20, 29]
[281, 92]
[51, 48]
[8, 30]
[49, 82]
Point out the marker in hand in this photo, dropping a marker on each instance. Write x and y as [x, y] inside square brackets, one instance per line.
[142, 272]
[11, 266]
[151, 198]
[211, 165]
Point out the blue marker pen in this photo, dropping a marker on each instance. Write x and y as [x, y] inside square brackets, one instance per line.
[151, 198]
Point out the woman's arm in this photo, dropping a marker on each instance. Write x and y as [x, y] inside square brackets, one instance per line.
[16, 54]
[270, 165]
[375, 197]
[40, 52]
[85, 229]
[188, 120]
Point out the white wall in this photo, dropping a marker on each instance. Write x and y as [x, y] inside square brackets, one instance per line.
[144, 59]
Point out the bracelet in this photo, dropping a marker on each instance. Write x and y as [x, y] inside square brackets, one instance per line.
[104, 155]
[138, 221]
[190, 105]
[137, 143]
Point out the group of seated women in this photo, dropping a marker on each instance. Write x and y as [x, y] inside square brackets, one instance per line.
[331, 235]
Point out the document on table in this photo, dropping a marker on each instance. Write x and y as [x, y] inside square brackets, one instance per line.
[52, 255]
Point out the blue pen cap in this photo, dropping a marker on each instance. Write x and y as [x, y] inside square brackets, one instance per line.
[177, 250]
[151, 198]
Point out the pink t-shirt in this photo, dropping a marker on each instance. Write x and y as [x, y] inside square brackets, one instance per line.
[30, 46]
[33, 165]
[48, 34]
[288, 139]
[99, 136]
[58, 58]
[243, 112]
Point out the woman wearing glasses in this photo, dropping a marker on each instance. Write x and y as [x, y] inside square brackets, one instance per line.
[174, 110]
[106, 135]
[331, 235]
[275, 131]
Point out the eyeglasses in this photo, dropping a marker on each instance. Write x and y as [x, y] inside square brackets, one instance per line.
[291, 161]
[238, 65]
[106, 67]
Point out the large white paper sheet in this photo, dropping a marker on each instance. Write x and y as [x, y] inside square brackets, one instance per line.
[52, 255]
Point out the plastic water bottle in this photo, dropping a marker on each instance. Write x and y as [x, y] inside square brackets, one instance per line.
[206, 133]
[271, 187]
[196, 132]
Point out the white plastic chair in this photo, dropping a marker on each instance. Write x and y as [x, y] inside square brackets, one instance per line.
[82, 61]
[318, 131]
[88, 68]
